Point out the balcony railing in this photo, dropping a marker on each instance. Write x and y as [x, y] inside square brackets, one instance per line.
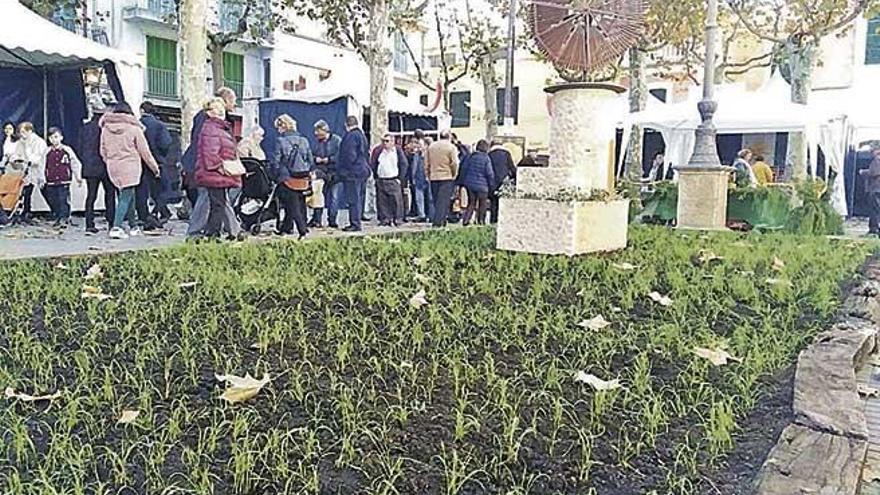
[153, 10]
[236, 86]
[96, 33]
[161, 83]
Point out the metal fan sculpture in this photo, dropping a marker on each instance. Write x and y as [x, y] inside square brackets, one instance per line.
[584, 35]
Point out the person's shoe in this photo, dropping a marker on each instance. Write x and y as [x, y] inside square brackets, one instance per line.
[366, 219]
[351, 228]
[314, 224]
[241, 237]
[135, 232]
[282, 232]
[118, 233]
[303, 235]
[384, 224]
[333, 225]
[92, 230]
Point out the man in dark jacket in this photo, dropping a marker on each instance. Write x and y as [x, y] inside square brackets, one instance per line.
[354, 170]
[159, 140]
[94, 171]
[389, 166]
[871, 176]
[503, 169]
[326, 153]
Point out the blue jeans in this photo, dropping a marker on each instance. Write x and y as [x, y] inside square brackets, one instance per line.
[333, 202]
[58, 197]
[421, 198]
[125, 208]
[355, 192]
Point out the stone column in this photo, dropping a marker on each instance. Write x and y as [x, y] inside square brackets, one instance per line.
[702, 183]
[580, 136]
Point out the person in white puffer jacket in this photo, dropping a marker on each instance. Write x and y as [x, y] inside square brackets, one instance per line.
[30, 159]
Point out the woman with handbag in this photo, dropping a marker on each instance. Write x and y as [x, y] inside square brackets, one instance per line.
[217, 165]
[292, 163]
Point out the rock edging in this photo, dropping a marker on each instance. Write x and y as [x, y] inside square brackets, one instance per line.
[823, 449]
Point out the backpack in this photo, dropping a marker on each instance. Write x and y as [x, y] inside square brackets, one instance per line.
[296, 162]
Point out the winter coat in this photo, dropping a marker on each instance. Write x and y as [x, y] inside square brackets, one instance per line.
[124, 147]
[292, 157]
[7, 149]
[329, 148]
[477, 173]
[158, 138]
[32, 151]
[417, 175]
[215, 145]
[353, 162]
[442, 161]
[872, 176]
[502, 166]
[63, 173]
[93, 166]
[188, 160]
[402, 163]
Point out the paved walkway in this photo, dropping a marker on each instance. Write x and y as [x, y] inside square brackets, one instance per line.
[43, 241]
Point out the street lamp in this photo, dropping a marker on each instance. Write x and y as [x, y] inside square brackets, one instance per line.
[508, 84]
[702, 183]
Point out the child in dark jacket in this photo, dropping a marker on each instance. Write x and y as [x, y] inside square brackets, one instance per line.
[62, 167]
[478, 178]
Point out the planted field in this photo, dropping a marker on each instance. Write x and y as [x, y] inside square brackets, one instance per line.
[425, 365]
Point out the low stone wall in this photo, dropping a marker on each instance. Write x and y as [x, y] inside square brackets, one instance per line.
[823, 450]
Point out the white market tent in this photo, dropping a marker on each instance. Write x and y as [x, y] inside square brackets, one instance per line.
[768, 110]
[28, 42]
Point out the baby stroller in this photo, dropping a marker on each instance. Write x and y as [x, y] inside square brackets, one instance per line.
[257, 202]
[11, 197]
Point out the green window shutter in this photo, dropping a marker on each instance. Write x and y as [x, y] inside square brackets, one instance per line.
[872, 42]
[233, 67]
[161, 53]
[460, 108]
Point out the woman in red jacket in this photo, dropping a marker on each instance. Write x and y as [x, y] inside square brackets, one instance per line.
[215, 146]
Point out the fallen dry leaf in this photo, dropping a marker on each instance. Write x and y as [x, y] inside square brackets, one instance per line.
[419, 299]
[187, 285]
[128, 416]
[94, 273]
[10, 393]
[624, 266]
[62, 266]
[707, 257]
[421, 261]
[92, 292]
[778, 264]
[868, 392]
[241, 389]
[660, 299]
[718, 357]
[596, 323]
[596, 382]
[779, 281]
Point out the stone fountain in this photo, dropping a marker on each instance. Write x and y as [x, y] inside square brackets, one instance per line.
[570, 207]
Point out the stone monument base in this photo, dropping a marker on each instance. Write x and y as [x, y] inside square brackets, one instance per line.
[702, 198]
[569, 228]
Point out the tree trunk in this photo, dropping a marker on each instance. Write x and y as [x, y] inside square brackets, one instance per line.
[379, 61]
[194, 45]
[638, 101]
[801, 59]
[217, 67]
[490, 92]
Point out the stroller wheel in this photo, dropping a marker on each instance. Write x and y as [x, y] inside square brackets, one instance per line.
[256, 229]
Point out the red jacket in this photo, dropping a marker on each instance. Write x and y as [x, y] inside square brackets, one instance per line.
[216, 144]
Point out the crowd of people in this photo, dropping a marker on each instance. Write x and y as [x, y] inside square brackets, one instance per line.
[130, 160]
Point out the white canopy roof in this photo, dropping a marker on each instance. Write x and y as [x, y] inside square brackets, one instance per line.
[338, 87]
[27, 39]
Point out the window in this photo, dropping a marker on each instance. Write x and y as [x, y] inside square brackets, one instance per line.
[267, 78]
[434, 60]
[659, 93]
[233, 73]
[161, 68]
[499, 100]
[460, 108]
[423, 100]
[872, 42]
[401, 55]
[402, 92]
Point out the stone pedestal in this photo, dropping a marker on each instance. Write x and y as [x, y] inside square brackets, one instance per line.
[536, 220]
[702, 198]
[556, 227]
